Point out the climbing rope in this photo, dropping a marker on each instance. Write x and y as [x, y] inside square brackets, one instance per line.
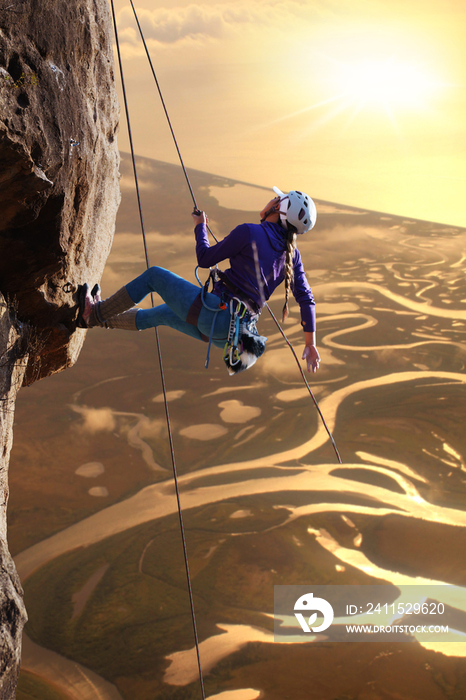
[159, 352]
[334, 445]
[216, 239]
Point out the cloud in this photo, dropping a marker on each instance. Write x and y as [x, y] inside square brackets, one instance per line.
[127, 183]
[152, 428]
[194, 21]
[96, 419]
[281, 364]
[197, 21]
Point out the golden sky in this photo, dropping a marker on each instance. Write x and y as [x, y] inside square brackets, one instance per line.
[357, 102]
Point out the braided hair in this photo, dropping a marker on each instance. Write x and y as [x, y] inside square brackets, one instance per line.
[290, 238]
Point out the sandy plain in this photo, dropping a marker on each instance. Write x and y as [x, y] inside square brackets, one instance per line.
[391, 387]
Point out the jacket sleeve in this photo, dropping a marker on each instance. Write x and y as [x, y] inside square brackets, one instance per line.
[303, 295]
[230, 246]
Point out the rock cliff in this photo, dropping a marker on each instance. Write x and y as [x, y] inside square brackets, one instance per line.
[59, 195]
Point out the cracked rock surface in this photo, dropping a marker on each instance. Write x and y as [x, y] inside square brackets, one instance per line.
[59, 195]
[59, 189]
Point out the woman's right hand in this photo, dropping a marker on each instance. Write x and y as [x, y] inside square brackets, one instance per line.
[200, 218]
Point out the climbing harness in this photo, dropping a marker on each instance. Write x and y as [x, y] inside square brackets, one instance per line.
[242, 337]
[244, 344]
[231, 353]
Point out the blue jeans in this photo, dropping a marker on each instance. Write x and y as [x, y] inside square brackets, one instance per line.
[178, 295]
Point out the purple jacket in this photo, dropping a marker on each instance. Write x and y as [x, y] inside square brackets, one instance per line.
[271, 253]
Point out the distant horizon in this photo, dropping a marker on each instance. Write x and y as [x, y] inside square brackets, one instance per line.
[318, 200]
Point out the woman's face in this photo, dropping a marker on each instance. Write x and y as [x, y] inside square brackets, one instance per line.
[274, 203]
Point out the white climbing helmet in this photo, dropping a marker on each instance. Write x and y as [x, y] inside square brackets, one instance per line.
[298, 209]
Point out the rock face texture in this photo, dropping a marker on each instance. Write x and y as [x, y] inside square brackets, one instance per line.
[58, 162]
[13, 361]
[59, 196]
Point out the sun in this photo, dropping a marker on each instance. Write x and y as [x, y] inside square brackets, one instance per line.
[389, 84]
[367, 77]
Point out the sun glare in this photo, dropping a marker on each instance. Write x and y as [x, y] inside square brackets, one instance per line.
[389, 84]
[369, 75]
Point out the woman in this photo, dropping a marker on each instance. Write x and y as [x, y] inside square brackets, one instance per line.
[261, 256]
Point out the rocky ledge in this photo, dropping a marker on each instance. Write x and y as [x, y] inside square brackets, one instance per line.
[59, 196]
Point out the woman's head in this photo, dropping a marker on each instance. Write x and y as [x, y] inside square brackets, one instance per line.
[296, 209]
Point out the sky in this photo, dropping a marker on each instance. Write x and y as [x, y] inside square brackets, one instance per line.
[358, 102]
